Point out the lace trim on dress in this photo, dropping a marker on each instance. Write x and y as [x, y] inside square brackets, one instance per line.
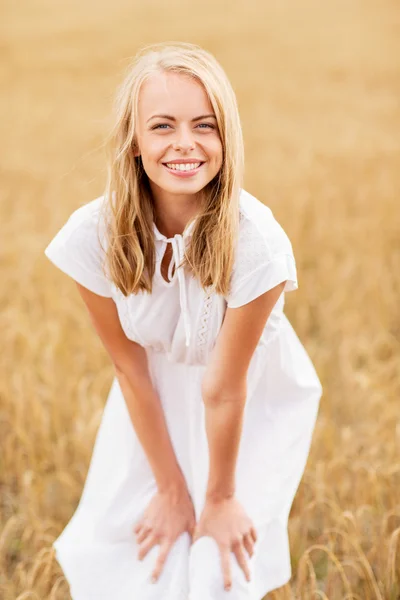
[202, 335]
[203, 332]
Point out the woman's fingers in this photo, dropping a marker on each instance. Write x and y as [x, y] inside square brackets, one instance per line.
[192, 529]
[137, 527]
[143, 533]
[253, 533]
[162, 557]
[226, 566]
[148, 543]
[248, 543]
[240, 556]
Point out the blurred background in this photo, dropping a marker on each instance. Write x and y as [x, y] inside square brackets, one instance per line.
[318, 87]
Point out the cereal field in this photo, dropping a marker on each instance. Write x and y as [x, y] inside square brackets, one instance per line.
[318, 85]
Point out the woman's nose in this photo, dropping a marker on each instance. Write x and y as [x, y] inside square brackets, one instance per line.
[183, 140]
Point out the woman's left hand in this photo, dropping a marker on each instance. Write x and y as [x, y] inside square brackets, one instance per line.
[227, 522]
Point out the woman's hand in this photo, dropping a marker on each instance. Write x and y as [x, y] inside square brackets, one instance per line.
[167, 516]
[227, 522]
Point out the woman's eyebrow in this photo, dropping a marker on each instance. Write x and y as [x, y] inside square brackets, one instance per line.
[170, 118]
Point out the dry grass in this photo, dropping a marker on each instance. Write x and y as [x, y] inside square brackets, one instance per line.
[318, 85]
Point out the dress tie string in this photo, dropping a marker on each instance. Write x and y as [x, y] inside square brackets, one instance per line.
[178, 254]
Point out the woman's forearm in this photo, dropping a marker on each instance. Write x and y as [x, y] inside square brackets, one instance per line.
[148, 420]
[224, 422]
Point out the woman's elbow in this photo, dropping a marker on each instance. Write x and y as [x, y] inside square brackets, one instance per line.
[222, 392]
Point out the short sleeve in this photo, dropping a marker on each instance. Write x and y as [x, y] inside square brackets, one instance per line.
[264, 258]
[77, 251]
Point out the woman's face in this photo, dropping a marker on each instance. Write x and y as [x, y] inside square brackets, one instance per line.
[177, 134]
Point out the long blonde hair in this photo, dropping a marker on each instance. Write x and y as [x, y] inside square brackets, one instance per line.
[130, 252]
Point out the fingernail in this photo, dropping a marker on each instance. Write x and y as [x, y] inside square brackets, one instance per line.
[153, 579]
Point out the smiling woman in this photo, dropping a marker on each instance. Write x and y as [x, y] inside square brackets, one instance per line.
[208, 424]
[183, 141]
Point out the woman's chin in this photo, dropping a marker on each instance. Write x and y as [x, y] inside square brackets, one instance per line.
[183, 186]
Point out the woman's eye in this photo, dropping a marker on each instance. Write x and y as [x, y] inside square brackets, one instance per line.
[162, 125]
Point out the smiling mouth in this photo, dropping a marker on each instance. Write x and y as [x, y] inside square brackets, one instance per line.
[184, 167]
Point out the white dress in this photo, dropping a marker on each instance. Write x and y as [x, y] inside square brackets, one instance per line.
[177, 325]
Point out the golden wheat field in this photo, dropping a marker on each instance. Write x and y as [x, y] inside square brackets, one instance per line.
[318, 86]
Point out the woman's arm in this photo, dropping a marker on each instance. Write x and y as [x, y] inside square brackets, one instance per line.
[224, 388]
[145, 410]
[224, 396]
[148, 419]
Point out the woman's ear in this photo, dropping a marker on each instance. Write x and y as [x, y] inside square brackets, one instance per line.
[135, 148]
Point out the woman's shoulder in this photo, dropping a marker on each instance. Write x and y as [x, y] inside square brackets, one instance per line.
[259, 227]
[89, 212]
[264, 256]
[252, 208]
[78, 247]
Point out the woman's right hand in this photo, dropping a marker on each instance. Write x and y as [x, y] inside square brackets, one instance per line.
[167, 516]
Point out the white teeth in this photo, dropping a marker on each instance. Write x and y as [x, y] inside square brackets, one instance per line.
[183, 166]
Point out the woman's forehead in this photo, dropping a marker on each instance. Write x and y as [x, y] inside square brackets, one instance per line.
[169, 92]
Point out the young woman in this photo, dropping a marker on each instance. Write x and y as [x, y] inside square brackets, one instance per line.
[207, 428]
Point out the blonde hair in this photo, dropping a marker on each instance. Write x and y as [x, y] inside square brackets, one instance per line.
[130, 252]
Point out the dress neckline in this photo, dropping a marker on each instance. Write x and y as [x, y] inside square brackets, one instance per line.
[178, 243]
[187, 232]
